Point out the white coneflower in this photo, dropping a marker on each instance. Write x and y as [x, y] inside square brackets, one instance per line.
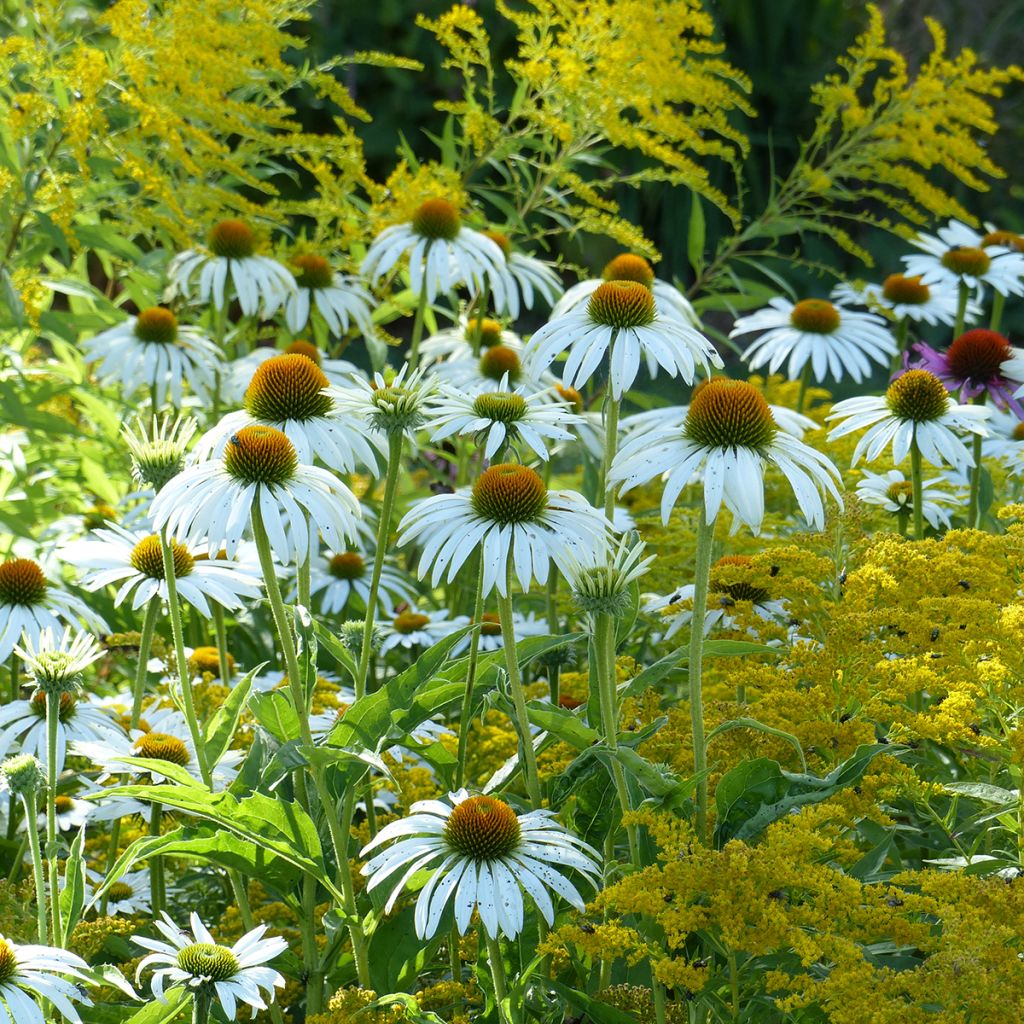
[725, 593]
[290, 393]
[339, 298]
[915, 409]
[165, 738]
[415, 628]
[620, 316]
[958, 255]
[1006, 443]
[730, 433]
[894, 492]
[30, 973]
[133, 559]
[260, 471]
[829, 338]
[231, 975]
[484, 857]
[468, 337]
[130, 894]
[508, 513]
[522, 277]
[443, 252]
[338, 576]
[152, 350]
[31, 603]
[474, 374]
[669, 301]
[258, 281]
[525, 624]
[502, 416]
[909, 297]
[69, 813]
[238, 374]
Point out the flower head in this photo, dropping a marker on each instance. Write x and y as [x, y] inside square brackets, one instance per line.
[233, 974]
[158, 451]
[620, 318]
[340, 299]
[916, 408]
[29, 973]
[959, 255]
[215, 501]
[57, 667]
[603, 586]
[395, 405]
[512, 517]
[833, 339]
[484, 856]
[730, 431]
[260, 283]
[978, 362]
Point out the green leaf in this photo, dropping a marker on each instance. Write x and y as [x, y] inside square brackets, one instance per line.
[283, 829]
[72, 896]
[982, 791]
[755, 793]
[752, 723]
[106, 238]
[367, 722]
[736, 648]
[274, 711]
[178, 1000]
[396, 955]
[561, 722]
[221, 727]
[592, 1009]
[213, 847]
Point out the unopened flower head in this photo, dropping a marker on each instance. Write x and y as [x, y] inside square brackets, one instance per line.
[351, 635]
[23, 774]
[392, 403]
[603, 585]
[158, 451]
[57, 667]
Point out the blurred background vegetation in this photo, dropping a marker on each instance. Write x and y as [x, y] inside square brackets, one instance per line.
[783, 45]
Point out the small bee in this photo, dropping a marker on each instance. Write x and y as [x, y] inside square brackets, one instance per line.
[235, 441]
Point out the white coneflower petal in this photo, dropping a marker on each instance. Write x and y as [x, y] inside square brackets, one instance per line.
[340, 299]
[959, 254]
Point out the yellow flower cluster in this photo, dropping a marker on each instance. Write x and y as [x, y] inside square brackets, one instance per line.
[884, 128]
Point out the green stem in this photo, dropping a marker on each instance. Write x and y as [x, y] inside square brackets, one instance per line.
[917, 489]
[112, 848]
[337, 828]
[901, 343]
[467, 699]
[417, 324]
[973, 507]
[998, 302]
[497, 965]
[611, 439]
[658, 991]
[961, 309]
[554, 628]
[15, 681]
[516, 685]
[201, 1004]
[604, 642]
[32, 831]
[220, 632]
[702, 573]
[310, 953]
[454, 959]
[387, 507]
[174, 607]
[145, 645]
[805, 380]
[52, 723]
[156, 865]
